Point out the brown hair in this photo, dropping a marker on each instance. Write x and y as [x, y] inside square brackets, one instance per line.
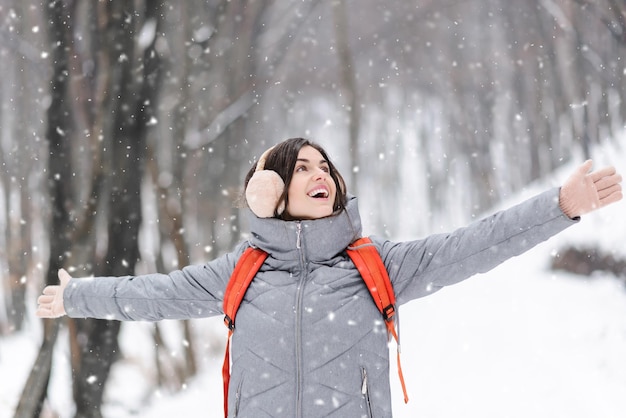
[282, 159]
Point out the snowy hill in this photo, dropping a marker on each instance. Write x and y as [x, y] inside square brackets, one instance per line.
[521, 341]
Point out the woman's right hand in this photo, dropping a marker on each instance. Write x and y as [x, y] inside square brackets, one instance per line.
[51, 301]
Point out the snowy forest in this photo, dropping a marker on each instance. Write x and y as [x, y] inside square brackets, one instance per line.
[127, 128]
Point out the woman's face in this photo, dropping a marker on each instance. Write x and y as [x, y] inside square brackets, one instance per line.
[312, 191]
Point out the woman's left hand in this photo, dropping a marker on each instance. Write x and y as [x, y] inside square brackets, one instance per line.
[585, 191]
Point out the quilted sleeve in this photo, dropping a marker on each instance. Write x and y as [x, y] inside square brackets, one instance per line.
[421, 267]
[195, 291]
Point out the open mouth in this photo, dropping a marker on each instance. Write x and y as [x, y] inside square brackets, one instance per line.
[319, 193]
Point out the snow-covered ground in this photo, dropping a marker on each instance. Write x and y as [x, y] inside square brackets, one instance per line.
[521, 341]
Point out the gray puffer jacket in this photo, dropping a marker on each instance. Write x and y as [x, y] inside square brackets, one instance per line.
[309, 341]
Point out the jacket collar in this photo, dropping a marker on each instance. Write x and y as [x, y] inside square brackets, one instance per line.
[320, 239]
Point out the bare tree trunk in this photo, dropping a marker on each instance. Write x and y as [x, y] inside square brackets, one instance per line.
[16, 171]
[133, 102]
[240, 20]
[171, 195]
[348, 87]
[554, 89]
[579, 70]
[31, 401]
[60, 181]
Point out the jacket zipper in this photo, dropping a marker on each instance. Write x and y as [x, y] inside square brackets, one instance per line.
[298, 238]
[298, 330]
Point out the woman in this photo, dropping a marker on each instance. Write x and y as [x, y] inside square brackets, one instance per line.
[309, 341]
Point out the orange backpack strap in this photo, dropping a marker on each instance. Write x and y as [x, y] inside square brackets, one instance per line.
[367, 260]
[247, 266]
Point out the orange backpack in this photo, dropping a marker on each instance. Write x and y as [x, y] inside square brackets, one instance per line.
[366, 259]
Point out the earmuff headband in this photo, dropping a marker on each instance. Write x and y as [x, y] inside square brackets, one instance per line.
[264, 190]
[260, 165]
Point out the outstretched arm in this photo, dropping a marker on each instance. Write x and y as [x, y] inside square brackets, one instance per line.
[418, 268]
[51, 301]
[585, 191]
[195, 291]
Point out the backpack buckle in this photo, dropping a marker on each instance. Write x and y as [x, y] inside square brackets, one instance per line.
[229, 322]
[388, 312]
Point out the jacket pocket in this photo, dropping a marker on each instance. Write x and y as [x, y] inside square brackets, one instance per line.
[365, 392]
[238, 398]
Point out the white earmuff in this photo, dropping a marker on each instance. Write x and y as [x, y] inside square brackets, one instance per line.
[264, 190]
